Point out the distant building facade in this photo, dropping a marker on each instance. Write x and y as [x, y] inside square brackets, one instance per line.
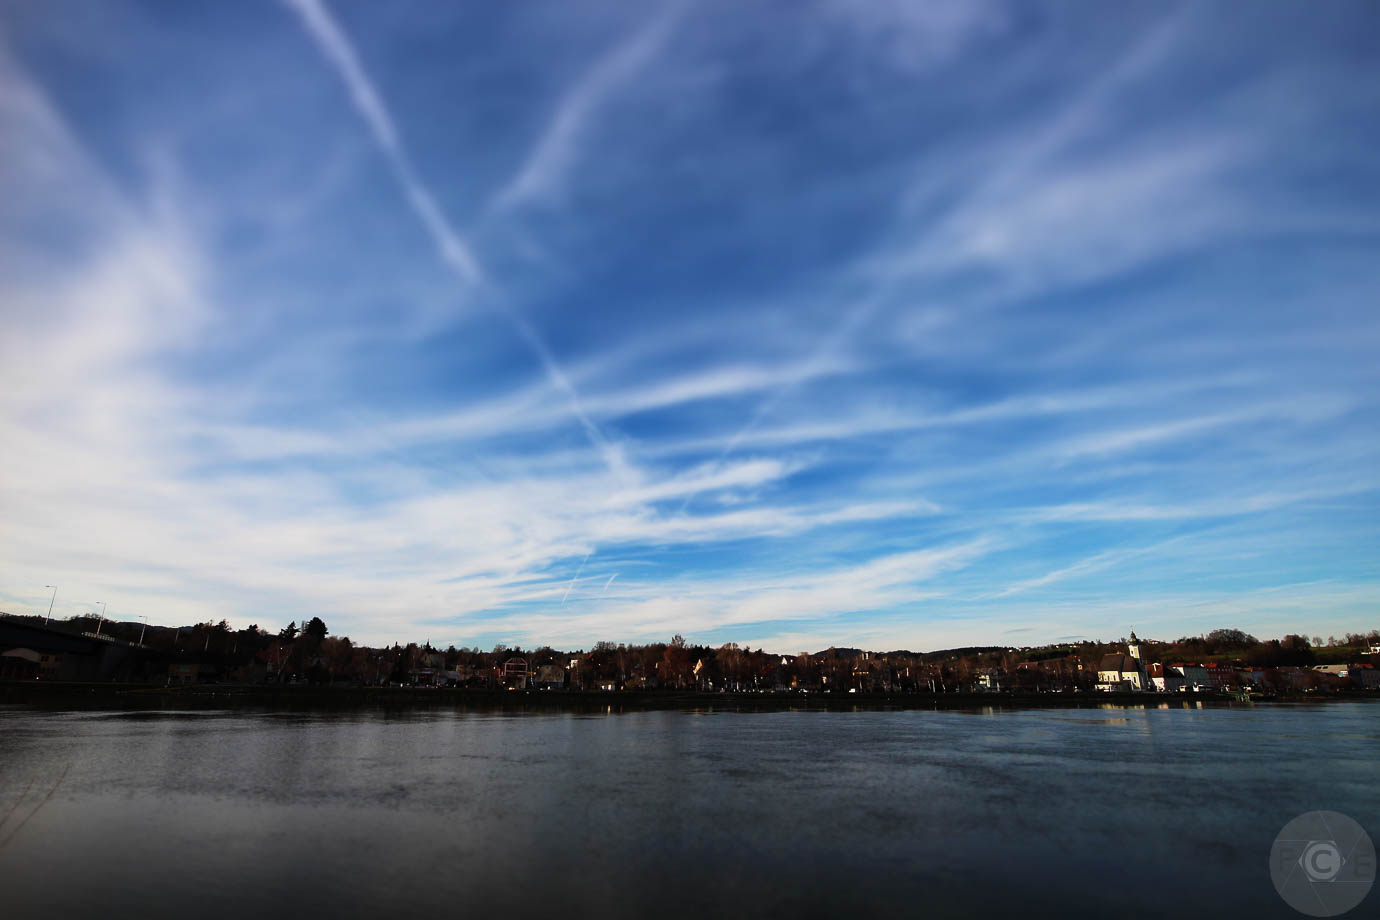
[1165, 678]
[515, 676]
[550, 677]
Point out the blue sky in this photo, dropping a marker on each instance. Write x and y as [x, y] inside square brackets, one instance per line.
[791, 324]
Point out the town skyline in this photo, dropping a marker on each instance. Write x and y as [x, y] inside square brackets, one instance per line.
[1232, 637]
[67, 652]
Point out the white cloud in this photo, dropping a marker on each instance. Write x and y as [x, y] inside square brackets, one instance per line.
[655, 611]
[872, 441]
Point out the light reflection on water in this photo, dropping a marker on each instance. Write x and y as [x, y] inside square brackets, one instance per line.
[374, 813]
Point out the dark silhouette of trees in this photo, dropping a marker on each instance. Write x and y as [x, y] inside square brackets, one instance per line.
[676, 661]
[404, 664]
[1231, 638]
[310, 653]
[1296, 652]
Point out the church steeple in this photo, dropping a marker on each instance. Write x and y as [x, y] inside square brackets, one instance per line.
[1133, 647]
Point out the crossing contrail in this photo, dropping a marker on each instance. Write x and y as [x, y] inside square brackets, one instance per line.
[576, 578]
[331, 40]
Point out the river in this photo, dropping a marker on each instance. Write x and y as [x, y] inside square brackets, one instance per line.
[1127, 812]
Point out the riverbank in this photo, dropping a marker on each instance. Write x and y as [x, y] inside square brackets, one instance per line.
[140, 696]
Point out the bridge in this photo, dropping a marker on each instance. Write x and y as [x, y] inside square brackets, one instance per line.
[56, 654]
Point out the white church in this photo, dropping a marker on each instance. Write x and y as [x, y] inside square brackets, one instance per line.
[1119, 673]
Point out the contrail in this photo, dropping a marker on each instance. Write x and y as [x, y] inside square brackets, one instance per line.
[609, 582]
[331, 40]
[554, 153]
[576, 578]
[336, 46]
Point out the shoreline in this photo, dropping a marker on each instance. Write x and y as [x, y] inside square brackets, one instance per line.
[233, 696]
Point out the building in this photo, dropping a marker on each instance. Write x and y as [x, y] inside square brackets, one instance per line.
[1195, 677]
[26, 664]
[1123, 673]
[1220, 676]
[1365, 676]
[184, 672]
[430, 666]
[515, 674]
[1166, 678]
[550, 677]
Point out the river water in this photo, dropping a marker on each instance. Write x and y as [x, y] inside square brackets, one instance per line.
[1127, 812]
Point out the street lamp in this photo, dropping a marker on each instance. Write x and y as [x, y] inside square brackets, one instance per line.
[50, 604]
[101, 620]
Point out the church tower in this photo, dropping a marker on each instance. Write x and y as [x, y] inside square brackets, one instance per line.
[1133, 649]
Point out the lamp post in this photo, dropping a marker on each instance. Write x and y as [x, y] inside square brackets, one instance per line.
[50, 604]
[101, 620]
[142, 628]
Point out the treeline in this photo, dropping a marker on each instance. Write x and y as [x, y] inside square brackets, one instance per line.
[1294, 650]
[309, 653]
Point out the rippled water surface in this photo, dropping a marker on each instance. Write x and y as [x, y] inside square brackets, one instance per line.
[1125, 812]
